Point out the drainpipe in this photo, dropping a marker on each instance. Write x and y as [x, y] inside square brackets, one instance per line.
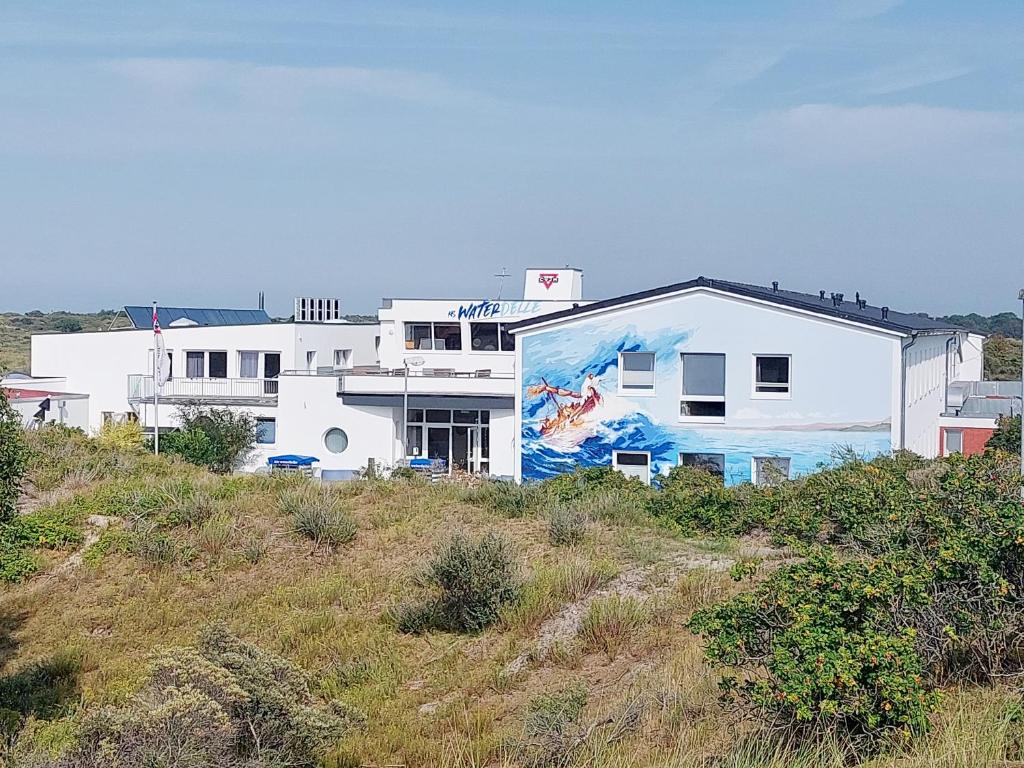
[945, 378]
[903, 391]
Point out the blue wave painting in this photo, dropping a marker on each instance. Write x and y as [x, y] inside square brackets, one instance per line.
[563, 427]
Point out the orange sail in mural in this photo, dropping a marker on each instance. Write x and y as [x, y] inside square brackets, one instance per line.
[570, 414]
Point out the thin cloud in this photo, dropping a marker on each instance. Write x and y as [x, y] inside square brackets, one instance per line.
[836, 134]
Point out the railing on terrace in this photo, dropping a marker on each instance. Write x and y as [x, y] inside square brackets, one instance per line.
[373, 370]
[259, 391]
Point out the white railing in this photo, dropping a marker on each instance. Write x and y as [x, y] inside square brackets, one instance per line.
[140, 388]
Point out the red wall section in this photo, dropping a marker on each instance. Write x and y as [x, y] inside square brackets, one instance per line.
[974, 439]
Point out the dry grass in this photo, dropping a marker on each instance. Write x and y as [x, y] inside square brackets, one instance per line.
[437, 699]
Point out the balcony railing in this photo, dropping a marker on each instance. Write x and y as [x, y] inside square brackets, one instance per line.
[226, 391]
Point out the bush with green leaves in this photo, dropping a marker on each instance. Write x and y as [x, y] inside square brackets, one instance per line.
[818, 649]
[588, 481]
[13, 458]
[225, 703]
[927, 589]
[552, 732]
[1006, 436]
[470, 579]
[217, 438]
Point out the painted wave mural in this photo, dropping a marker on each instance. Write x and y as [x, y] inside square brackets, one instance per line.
[572, 414]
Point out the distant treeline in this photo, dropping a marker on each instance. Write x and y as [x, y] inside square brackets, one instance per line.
[1004, 324]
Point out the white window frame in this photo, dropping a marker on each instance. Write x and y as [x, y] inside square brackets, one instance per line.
[945, 440]
[615, 463]
[434, 338]
[346, 354]
[778, 394]
[206, 363]
[753, 466]
[702, 398]
[638, 392]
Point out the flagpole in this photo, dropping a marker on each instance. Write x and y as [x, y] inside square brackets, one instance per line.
[156, 394]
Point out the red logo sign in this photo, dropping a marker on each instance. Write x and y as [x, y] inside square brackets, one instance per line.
[547, 279]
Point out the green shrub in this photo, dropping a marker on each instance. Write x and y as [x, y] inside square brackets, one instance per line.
[316, 513]
[472, 579]
[13, 458]
[1007, 434]
[819, 650]
[225, 703]
[217, 438]
[149, 543]
[507, 499]
[587, 481]
[696, 500]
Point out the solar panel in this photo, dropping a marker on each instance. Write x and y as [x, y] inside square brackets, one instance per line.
[142, 317]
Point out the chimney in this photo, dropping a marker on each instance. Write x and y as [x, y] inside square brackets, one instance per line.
[885, 313]
[775, 286]
[821, 295]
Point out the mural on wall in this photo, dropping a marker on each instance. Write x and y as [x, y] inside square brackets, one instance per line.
[574, 415]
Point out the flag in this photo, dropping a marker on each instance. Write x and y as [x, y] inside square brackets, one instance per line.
[161, 360]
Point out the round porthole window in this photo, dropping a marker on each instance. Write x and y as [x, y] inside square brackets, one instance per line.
[335, 440]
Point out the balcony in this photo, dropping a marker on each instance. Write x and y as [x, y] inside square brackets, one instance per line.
[220, 391]
[373, 380]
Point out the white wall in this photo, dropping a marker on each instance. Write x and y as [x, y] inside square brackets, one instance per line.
[308, 406]
[925, 394]
[971, 368]
[393, 352]
[72, 412]
[324, 338]
[503, 442]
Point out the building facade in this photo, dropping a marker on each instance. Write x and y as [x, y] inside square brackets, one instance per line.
[744, 380]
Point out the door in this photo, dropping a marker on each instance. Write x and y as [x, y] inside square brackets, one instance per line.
[271, 370]
[468, 449]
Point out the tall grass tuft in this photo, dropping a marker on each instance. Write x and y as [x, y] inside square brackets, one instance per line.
[612, 622]
[317, 514]
[567, 526]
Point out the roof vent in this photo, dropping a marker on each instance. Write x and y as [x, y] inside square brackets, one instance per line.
[885, 313]
[821, 295]
[857, 294]
[775, 286]
[835, 299]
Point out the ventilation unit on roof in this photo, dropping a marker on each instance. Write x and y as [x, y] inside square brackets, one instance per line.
[311, 310]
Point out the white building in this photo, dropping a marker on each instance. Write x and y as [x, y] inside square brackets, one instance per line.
[329, 389]
[730, 376]
[40, 401]
[712, 372]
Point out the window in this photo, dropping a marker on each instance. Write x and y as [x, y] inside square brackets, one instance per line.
[414, 440]
[636, 372]
[954, 441]
[484, 337]
[218, 365]
[195, 365]
[335, 440]
[414, 414]
[436, 336]
[342, 358]
[710, 462]
[508, 340]
[491, 337]
[266, 431]
[703, 387]
[771, 470]
[249, 365]
[771, 376]
[439, 416]
[633, 464]
[311, 360]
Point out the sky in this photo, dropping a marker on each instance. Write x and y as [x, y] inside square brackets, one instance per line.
[197, 152]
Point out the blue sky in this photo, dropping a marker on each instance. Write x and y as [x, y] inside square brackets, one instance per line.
[198, 152]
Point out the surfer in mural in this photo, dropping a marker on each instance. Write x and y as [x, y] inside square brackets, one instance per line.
[569, 411]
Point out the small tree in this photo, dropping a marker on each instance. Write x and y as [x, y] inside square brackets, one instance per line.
[13, 458]
[1007, 435]
[218, 438]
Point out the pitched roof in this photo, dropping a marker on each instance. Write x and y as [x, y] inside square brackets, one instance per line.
[142, 317]
[840, 308]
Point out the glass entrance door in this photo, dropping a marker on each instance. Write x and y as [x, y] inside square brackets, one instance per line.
[468, 449]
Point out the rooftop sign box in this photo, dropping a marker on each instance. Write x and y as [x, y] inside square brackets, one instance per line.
[565, 284]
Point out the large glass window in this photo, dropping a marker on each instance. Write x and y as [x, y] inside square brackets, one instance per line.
[703, 387]
[771, 375]
[636, 372]
[195, 365]
[248, 365]
[435, 336]
[710, 462]
[491, 337]
[218, 365]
